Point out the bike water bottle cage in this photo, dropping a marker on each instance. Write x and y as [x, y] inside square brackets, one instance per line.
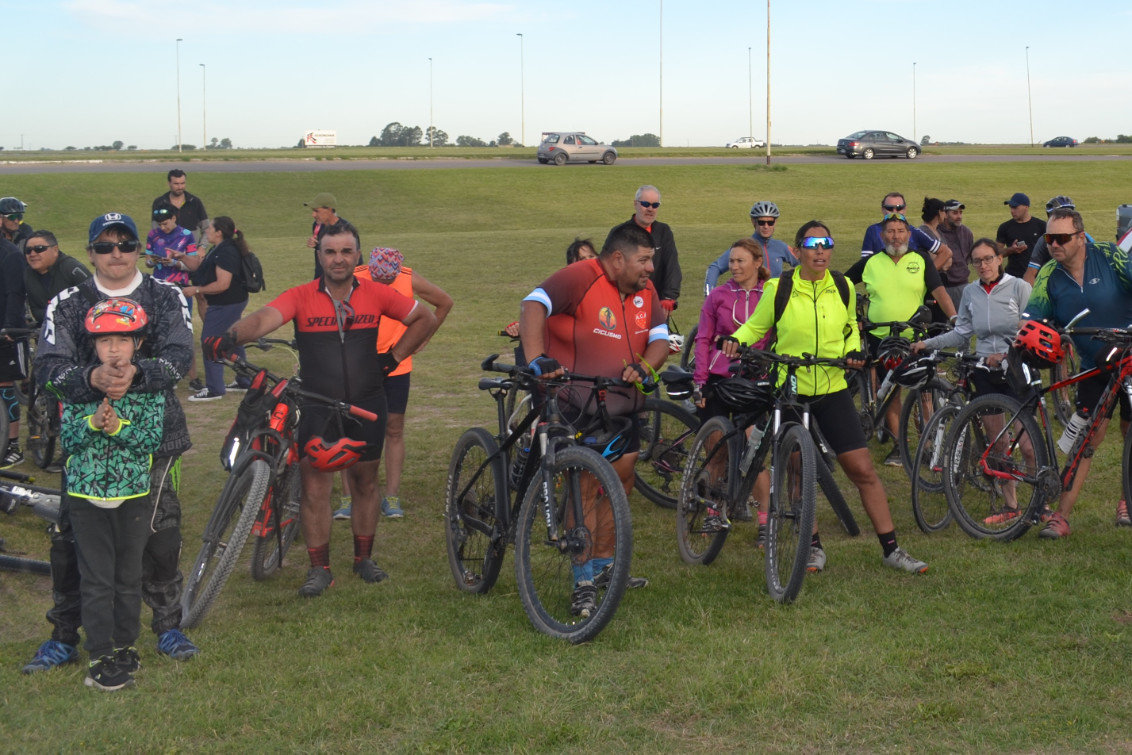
[1040, 343]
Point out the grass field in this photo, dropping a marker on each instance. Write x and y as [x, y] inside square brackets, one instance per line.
[1016, 648]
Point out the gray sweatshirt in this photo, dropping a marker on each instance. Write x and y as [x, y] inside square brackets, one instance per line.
[991, 317]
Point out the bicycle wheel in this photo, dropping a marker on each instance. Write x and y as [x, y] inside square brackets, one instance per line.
[790, 517]
[474, 494]
[710, 484]
[24, 565]
[827, 484]
[277, 523]
[919, 405]
[43, 428]
[224, 537]
[688, 353]
[546, 556]
[991, 479]
[1063, 403]
[929, 503]
[667, 432]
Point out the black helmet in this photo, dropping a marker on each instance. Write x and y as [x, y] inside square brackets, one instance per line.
[892, 351]
[12, 206]
[745, 395]
[1059, 202]
[910, 372]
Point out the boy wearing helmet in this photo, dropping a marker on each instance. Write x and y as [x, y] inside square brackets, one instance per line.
[110, 446]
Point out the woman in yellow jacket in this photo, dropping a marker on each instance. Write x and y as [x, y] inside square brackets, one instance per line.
[818, 320]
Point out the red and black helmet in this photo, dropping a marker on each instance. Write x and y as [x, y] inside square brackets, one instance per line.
[116, 315]
[1040, 342]
[332, 456]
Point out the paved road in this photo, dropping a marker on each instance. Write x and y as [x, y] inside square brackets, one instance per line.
[317, 165]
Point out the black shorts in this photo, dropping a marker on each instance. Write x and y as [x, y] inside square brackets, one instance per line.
[317, 420]
[1089, 393]
[397, 393]
[986, 381]
[836, 417]
[13, 361]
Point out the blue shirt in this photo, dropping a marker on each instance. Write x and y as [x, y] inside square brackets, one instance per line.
[918, 241]
[1106, 293]
[775, 254]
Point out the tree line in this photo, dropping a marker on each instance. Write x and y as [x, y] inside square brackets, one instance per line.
[396, 135]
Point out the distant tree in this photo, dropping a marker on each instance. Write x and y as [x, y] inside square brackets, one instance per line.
[1123, 139]
[214, 143]
[118, 145]
[639, 140]
[66, 149]
[1093, 140]
[439, 138]
[504, 140]
[396, 135]
[925, 141]
[225, 143]
[374, 141]
[303, 143]
[469, 141]
[131, 148]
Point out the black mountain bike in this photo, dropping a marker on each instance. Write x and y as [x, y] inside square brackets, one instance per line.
[17, 490]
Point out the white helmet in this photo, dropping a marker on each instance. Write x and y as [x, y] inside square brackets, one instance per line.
[675, 343]
[764, 210]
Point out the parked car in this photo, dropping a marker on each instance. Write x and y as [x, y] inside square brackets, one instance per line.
[560, 147]
[1061, 141]
[746, 142]
[870, 144]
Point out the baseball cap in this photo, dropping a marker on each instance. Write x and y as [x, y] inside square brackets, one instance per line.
[955, 204]
[325, 199]
[384, 262]
[1018, 200]
[110, 220]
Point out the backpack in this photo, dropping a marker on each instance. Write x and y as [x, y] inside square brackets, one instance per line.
[786, 287]
[253, 273]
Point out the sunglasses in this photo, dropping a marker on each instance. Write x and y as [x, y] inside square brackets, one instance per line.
[895, 215]
[893, 207]
[107, 247]
[1061, 239]
[37, 249]
[15, 216]
[817, 242]
[653, 205]
[765, 222]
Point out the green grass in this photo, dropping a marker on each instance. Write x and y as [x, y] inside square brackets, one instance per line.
[1017, 647]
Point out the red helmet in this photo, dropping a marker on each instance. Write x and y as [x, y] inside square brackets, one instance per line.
[1040, 342]
[116, 315]
[332, 456]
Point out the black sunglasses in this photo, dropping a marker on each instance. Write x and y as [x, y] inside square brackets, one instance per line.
[107, 247]
[653, 205]
[893, 207]
[38, 249]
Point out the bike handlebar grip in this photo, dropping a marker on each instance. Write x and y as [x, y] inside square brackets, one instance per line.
[361, 413]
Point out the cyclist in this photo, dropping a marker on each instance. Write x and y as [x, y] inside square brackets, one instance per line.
[817, 321]
[165, 242]
[1040, 254]
[601, 317]
[12, 227]
[666, 275]
[13, 354]
[875, 242]
[62, 362]
[777, 256]
[336, 320]
[48, 272]
[1083, 275]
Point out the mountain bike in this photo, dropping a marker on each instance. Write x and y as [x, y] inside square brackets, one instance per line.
[44, 411]
[541, 485]
[1001, 470]
[261, 496]
[667, 430]
[18, 490]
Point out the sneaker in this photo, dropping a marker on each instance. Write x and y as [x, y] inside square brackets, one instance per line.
[13, 456]
[893, 459]
[128, 659]
[318, 579]
[106, 675]
[602, 579]
[342, 513]
[176, 645]
[584, 601]
[1122, 518]
[1057, 526]
[51, 654]
[742, 512]
[1004, 516]
[899, 559]
[235, 386]
[816, 562]
[391, 507]
[204, 395]
[760, 541]
[196, 384]
[369, 571]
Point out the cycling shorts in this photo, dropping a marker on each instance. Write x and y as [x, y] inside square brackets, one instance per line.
[317, 420]
[397, 393]
[1089, 393]
[836, 417]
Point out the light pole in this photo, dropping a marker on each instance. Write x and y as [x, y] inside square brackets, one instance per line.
[768, 82]
[204, 106]
[913, 100]
[178, 94]
[522, 95]
[1029, 98]
[430, 128]
[750, 99]
[660, 36]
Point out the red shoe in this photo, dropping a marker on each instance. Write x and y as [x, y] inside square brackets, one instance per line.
[1058, 526]
[1122, 518]
[1002, 517]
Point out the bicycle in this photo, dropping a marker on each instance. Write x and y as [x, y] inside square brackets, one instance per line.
[261, 497]
[546, 502]
[44, 410]
[16, 490]
[1001, 448]
[725, 462]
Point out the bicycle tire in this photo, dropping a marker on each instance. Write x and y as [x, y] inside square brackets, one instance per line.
[667, 433]
[790, 516]
[24, 565]
[42, 437]
[471, 520]
[224, 537]
[688, 353]
[912, 419]
[544, 566]
[929, 502]
[711, 480]
[281, 508]
[827, 484]
[977, 500]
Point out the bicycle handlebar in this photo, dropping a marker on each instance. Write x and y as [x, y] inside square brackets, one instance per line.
[293, 385]
[525, 376]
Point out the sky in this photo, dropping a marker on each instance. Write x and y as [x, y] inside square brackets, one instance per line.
[91, 72]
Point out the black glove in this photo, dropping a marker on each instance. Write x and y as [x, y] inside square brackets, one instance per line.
[855, 356]
[218, 348]
[388, 362]
[638, 368]
[543, 365]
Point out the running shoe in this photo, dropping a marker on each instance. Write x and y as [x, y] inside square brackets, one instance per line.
[584, 600]
[105, 674]
[816, 562]
[318, 579]
[235, 386]
[901, 561]
[1056, 527]
[1002, 517]
[204, 395]
[176, 645]
[601, 581]
[760, 543]
[391, 507]
[342, 513]
[12, 456]
[369, 571]
[196, 384]
[51, 654]
[128, 659]
[1122, 518]
[893, 459]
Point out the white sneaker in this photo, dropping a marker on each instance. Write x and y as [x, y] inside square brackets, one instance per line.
[900, 560]
[204, 395]
[817, 560]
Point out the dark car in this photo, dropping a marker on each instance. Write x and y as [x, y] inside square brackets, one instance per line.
[1061, 141]
[870, 144]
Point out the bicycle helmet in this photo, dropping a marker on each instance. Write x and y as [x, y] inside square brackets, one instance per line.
[1059, 202]
[764, 210]
[675, 343]
[332, 456]
[116, 315]
[1040, 343]
[12, 206]
[892, 351]
[610, 442]
[911, 371]
[745, 395]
